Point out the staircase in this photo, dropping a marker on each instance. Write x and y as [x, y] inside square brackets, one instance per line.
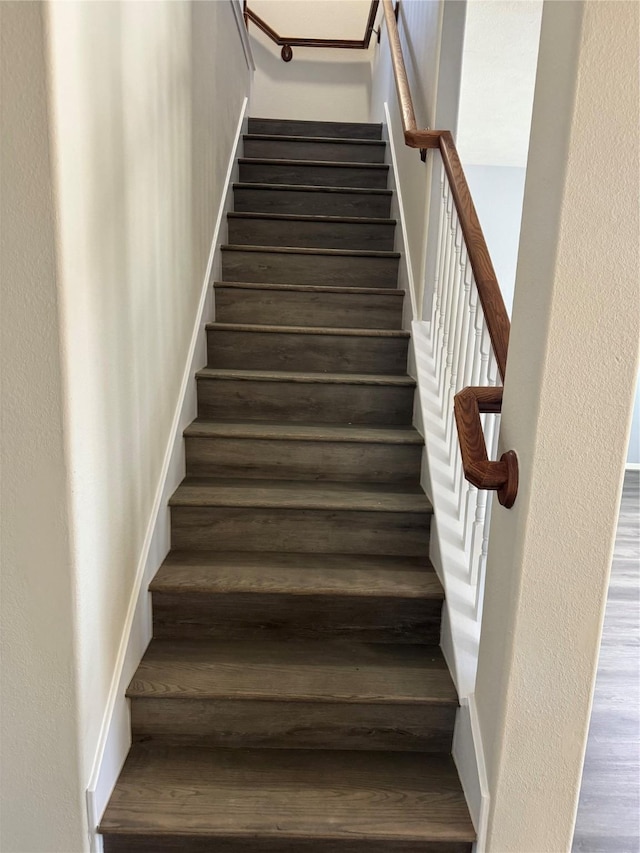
[294, 698]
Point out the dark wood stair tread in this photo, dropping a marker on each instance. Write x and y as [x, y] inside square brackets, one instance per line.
[294, 794]
[308, 330]
[219, 572]
[260, 185]
[278, 137]
[332, 164]
[300, 494]
[299, 217]
[271, 670]
[304, 432]
[307, 127]
[312, 288]
[295, 376]
[294, 250]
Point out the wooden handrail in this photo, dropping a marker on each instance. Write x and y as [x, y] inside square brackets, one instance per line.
[469, 403]
[478, 469]
[498, 323]
[287, 43]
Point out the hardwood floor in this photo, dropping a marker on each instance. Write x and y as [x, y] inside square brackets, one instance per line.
[609, 811]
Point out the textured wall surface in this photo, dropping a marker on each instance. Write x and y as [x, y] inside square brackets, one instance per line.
[142, 108]
[145, 103]
[42, 802]
[568, 399]
[498, 76]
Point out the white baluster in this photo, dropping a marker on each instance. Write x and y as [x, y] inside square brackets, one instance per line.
[437, 284]
[477, 535]
[492, 451]
[446, 283]
[460, 350]
[452, 312]
[474, 379]
[466, 370]
[482, 559]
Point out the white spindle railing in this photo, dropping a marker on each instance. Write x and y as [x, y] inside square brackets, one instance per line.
[462, 356]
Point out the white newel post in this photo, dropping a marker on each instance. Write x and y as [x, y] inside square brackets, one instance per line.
[567, 409]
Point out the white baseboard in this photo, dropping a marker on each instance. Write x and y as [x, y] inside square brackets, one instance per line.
[238, 14]
[469, 759]
[115, 733]
[405, 274]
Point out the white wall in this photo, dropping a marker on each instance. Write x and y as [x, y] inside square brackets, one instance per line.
[496, 98]
[498, 193]
[42, 804]
[498, 76]
[573, 361]
[144, 105]
[319, 84]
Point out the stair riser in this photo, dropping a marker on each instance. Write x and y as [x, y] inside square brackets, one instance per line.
[322, 235]
[304, 308]
[307, 352]
[325, 129]
[285, 149]
[231, 616]
[294, 725]
[303, 531]
[253, 844]
[307, 268]
[303, 460]
[311, 203]
[313, 175]
[302, 402]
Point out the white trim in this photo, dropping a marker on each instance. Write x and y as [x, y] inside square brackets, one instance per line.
[632, 466]
[115, 735]
[468, 756]
[236, 7]
[400, 208]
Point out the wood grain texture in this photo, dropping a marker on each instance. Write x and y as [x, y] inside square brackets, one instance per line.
[287, 672]
[274, 451]
[290, 795]
[295, 596]
[125, 843]
[299, 574]
[336, 433]
[279, 147]
[326, 129]
[500, 475]
[316, 173]
[295, 617]
[607, 819]
[250, 347]
[304, 266]
[253, 724]
[170, 843]
[308, 305]
[399, 71]
[310, 200]
[325, 232]
[258, 395]
[294, 494]
[302, 530]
